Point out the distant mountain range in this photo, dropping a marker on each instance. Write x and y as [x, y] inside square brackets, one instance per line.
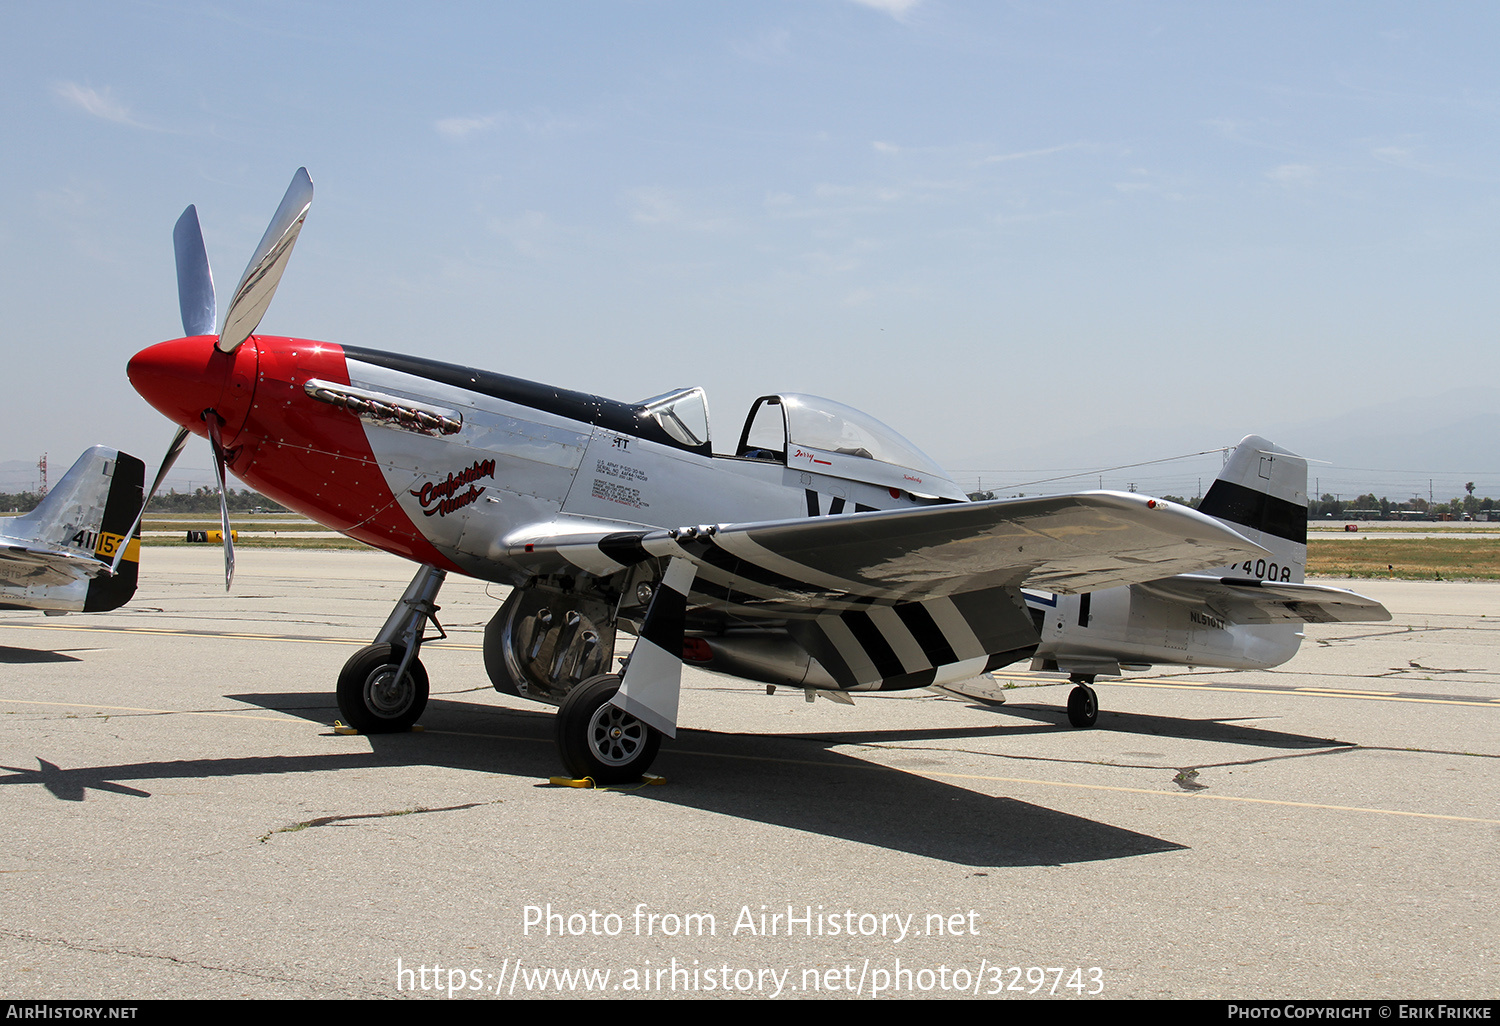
[1454, 437]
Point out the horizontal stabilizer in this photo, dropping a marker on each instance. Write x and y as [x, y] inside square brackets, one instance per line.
[46, 567]
[1248, 601]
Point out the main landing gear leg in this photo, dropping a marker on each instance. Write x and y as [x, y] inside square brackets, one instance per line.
[1083, 704]
[383, 687]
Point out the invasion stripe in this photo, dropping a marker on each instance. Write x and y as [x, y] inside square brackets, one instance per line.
[741, 544]
[909, 681]
[901, 640]
[925, 630]
[666, 620]
[955, 628]
[875, 645]
[857, 661]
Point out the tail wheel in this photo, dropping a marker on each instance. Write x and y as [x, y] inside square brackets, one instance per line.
[1083, 707]
[599, 740]
[371, 697]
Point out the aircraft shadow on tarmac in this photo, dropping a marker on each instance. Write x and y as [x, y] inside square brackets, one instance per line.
[796, 781]
[33, 655]
[1222, 730]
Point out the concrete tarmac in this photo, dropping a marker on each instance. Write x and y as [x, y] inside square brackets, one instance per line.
[182, 821]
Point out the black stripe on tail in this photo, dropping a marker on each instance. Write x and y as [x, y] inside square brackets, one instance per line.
[127, 490]
[1256, 510]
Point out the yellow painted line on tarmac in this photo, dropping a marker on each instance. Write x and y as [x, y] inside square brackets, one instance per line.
[236, 635]
[1199, 795]
[1372, 696]
[1114, 788]
[1250, 689]
[288, 716]
[92, 630]
[154, 712]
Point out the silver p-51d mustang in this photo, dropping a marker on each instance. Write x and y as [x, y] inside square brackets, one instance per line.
[824, 551]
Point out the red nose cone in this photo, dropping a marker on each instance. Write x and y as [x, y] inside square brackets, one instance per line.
[186, 376]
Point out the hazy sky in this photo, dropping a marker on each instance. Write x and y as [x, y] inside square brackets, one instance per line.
[1027, 235]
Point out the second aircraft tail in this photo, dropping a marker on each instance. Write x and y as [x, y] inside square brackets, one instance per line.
[60, 552]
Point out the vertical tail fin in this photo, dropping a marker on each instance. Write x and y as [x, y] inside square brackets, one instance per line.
[87, 515]
[1262, 493]
[127, 491]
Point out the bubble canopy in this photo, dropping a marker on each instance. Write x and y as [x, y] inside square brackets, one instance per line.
[830, 438]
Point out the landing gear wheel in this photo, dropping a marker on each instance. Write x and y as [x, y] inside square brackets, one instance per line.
[595, 739]
[372, 700]
[1083, 706]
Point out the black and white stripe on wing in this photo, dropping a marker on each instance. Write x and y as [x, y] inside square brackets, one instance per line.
[732, 569]
[915, 644]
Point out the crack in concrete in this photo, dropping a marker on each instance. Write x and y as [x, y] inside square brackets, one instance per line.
[1334, 748]
[60, 942]
[332, 820]
[1414, 665]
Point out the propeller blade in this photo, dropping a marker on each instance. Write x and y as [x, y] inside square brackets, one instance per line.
[264, 272]
[195, 282]
[213, 436]
[173, 451]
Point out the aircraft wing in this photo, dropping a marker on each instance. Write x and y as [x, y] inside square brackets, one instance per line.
[45, 567]
[814, 565]
[1248, 601]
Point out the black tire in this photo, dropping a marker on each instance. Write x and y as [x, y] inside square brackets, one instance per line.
[1083, 707]
[597, 740]
[369, 699]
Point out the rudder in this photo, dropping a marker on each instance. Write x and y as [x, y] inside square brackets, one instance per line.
[126, 493]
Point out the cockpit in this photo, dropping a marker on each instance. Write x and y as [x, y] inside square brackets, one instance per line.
[807, 432]
[682, 414]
